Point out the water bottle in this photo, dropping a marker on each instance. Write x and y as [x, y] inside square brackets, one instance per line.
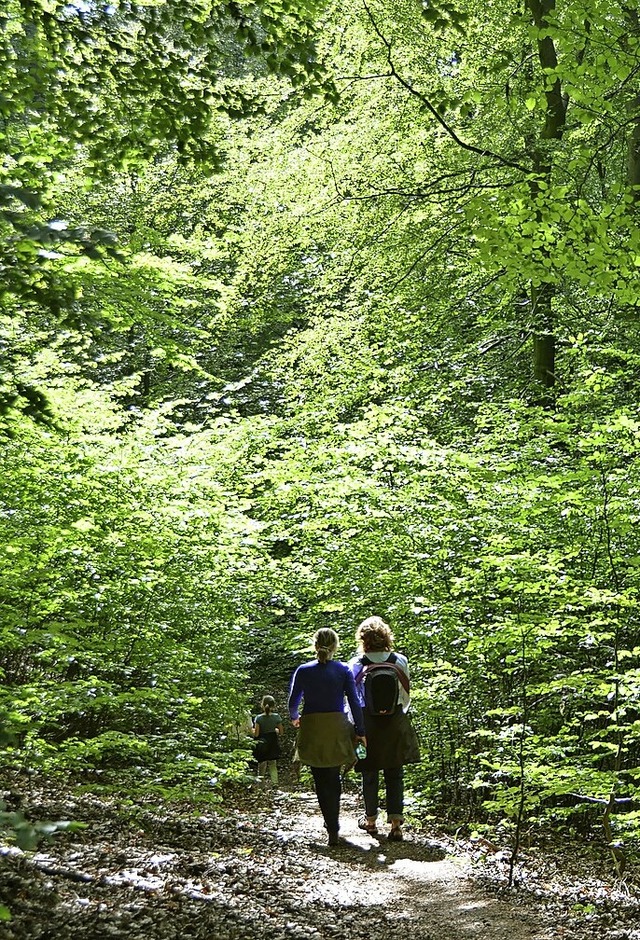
[361, 751]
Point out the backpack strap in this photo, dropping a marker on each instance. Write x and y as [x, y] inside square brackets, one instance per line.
[367, 664]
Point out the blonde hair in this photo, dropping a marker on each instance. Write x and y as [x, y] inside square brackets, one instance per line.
[374, 636]
[326, 642]
[268, 702]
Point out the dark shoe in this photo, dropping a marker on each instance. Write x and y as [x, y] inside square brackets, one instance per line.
[370, 827]
[396, 834]
[333, 838]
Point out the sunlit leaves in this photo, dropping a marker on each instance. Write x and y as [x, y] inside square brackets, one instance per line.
[125, 79]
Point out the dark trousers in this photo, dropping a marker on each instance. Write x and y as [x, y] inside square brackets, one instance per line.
[394, 789]
[328, 789]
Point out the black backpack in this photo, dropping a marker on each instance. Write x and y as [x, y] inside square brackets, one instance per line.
[380, 684]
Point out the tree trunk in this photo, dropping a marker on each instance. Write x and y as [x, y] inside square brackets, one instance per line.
[633, 110]
[633, 155]
[544, 338]
[544, 359]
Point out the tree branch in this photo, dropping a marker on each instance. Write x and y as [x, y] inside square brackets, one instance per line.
[481, 151]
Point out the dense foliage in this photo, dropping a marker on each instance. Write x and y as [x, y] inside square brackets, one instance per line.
[355, 353]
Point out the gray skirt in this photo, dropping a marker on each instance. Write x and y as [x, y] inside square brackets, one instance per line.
[326, 739]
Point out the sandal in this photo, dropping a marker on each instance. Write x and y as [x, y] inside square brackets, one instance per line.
[370, 827]
[395, 835]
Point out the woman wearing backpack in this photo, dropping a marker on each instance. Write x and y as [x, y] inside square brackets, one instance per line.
[382, 682]
[325, 735]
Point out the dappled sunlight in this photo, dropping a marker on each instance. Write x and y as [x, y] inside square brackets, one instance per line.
[259, 874]
[426, 871]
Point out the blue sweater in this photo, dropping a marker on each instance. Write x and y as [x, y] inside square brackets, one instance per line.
[323, 687]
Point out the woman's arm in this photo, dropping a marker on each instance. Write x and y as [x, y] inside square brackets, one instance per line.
[256, 730]
[295, 697]
[403, 694]
[354, 703]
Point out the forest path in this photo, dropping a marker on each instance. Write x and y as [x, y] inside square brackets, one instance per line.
[259, 873]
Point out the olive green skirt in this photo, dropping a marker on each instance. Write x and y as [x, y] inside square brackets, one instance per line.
[326, 739]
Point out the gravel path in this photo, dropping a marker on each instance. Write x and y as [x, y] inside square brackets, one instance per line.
[261, 872]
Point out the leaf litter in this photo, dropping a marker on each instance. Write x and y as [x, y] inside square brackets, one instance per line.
[260, 869]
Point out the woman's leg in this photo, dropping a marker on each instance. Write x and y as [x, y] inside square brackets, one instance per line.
[328, 789]
[370, 793]
[394, 787]
[273, 771]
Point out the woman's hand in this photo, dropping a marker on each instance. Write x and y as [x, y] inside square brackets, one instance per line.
[361, 739]
[295, 722]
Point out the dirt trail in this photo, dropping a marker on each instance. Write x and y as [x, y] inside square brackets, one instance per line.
[259, 868]
[263, 873]
[380, 889]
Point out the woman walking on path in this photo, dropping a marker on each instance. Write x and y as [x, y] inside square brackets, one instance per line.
[391, 740]
[325, 735]
[267, 729]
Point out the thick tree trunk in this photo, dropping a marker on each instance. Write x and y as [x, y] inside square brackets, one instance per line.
[544, 338]
[633, 158]
[544, 359]
[633, 111]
